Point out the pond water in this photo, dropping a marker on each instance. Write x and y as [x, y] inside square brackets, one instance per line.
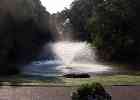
[67, 57]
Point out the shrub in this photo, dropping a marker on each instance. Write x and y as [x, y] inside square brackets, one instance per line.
[94, 91]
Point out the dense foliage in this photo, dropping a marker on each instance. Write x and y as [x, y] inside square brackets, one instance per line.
[23, 30]
[79, 13]
[111, 25]
[94, 91]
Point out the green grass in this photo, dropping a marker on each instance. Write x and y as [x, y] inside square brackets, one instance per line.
[104, 80]
[107, 80]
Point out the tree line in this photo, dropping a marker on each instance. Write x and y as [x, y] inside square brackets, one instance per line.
[112, 26]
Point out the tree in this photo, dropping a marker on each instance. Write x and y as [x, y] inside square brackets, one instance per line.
[24, 28]
[110, 25]
[115, 26]
[80, 12]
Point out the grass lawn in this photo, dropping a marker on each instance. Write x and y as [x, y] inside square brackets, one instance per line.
[107, 80]
[104, 80]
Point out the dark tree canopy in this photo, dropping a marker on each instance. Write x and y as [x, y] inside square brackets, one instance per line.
[24, 28]
[79, 13]
[110, 25]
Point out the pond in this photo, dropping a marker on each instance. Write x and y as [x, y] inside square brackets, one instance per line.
[71, 57]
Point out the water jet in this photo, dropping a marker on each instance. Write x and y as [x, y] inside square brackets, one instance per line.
[69, 57]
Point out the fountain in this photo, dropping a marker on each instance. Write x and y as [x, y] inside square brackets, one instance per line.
[69, 57]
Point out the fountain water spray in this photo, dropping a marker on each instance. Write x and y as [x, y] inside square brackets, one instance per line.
[67, 51]
[69, 57]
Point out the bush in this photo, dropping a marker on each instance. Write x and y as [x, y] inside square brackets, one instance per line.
[94, 91]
